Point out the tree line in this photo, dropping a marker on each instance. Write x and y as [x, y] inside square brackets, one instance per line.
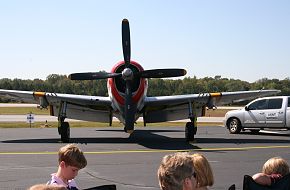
[157, 87]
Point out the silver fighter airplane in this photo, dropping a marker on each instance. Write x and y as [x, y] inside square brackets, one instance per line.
[127, 88]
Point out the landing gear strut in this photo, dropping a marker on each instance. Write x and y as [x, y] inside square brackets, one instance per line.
[64, 132]
[190, 130]
[63, 127]
[190, 127]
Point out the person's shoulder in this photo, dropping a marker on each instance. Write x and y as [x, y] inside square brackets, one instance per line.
[72, 184]
[262, 179]
[55, 180]
[52, 180]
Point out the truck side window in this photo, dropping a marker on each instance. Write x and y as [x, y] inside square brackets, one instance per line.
[275, 103]
[288, 102]
[258, 105]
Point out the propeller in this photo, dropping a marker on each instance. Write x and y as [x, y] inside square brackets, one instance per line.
[128, 75]
[93, 75]
[126, 42]
[161, 73]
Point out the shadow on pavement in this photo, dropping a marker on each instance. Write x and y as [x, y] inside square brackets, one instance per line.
[154, 139]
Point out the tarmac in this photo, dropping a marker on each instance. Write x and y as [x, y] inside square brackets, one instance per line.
[29, 155]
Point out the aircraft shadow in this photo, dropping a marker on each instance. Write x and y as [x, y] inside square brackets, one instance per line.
[145, 138]
[151, 130]
[152, 140]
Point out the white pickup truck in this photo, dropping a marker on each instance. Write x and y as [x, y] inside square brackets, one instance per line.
[262, 113]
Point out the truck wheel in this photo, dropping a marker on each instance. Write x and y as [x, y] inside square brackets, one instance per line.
[234, 126]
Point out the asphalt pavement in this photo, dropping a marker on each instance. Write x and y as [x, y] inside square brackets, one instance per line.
[29, 155]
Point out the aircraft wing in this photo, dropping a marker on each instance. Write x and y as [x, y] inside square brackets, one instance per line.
[169, 108]
[90, 108]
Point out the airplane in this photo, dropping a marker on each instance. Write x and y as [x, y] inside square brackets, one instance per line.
[127, 85]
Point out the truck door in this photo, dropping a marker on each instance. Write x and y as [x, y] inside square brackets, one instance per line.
[255, 116]
[275, 114]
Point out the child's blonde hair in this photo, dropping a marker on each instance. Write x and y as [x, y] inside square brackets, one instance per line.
[276, 165]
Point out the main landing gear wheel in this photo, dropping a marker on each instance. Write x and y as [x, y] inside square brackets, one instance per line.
[64, 132]
[234, 126]
[190, 131]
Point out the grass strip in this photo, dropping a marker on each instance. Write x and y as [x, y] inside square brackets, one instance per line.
[34, 110]
[22, 111]
[37, 111]
[97, 124]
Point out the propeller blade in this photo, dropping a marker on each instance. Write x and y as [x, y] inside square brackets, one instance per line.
[161, 73]
[130, 109]
[93, 75]
[126, 42]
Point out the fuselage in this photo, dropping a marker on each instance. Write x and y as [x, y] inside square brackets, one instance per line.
[117, 86]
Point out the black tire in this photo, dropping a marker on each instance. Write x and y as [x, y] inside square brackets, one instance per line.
[255, 131]
[234, 126]
[65, 132]
[189, 131]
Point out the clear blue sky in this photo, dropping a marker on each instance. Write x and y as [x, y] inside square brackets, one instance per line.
[240, 39]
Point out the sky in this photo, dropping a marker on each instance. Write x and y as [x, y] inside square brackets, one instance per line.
[239, 39]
